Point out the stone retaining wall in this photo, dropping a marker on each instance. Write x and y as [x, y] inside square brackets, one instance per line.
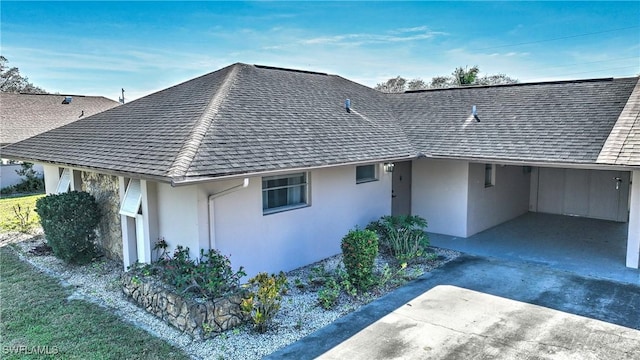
[198, 319]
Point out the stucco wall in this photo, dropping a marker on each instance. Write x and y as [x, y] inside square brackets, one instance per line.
[274, 242]
[439, 194]
[106, 191]
[490, 206]
[178, 217]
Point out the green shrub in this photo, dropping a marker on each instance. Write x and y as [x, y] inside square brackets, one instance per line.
[263, 302]
[210, 276]
[403, 235]
[328, 295]
[32, 182]
[69, 221]
[359, 251]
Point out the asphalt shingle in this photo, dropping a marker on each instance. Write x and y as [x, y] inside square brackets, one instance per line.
[250, 119]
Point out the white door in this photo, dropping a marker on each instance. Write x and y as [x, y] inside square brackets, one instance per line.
[599, 194]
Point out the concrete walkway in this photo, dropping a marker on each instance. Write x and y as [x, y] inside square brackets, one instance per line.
[497, 285]
[590, 247]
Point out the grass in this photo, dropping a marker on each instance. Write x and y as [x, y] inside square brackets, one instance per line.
[8, 219]
[36, 315]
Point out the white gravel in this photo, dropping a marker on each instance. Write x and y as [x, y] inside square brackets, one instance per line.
[99, 282]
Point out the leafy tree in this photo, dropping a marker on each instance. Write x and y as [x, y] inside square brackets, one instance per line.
[393, 85]
[466, 76]
[417, 84]
[440, 82]
[12, 82]
[460, 77]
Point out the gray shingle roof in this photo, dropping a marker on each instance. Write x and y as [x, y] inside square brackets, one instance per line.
[26, 115]
[623, 144]
[239, 119]
[566, 122]
[251, 119]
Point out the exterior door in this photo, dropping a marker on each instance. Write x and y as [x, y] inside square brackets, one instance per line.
[401, 189]
[598, 194]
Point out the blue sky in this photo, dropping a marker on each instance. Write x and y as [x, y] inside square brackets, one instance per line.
[96, 48]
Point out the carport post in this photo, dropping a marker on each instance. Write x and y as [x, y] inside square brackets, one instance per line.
[633, 240]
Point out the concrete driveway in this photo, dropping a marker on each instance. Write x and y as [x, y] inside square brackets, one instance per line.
[486, 308]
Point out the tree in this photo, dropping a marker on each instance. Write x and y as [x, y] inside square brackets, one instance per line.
[393, 85]
[12, 82]
[459, 77]
[417, 84]
[464, 77]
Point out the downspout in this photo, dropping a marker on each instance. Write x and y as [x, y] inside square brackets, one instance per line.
[212, 197]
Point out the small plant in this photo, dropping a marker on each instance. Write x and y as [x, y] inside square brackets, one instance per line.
[298, 283]
[263, 302]
[69, 221]
[359, 251]
[22, 218]
[328, 295]
[207, 329]
[394, 278]
[403, 235]
[210, 276]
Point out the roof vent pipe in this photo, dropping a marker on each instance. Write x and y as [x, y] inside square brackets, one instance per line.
[474, 113]
[347, 105]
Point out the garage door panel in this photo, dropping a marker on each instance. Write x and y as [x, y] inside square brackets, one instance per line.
[590, 193]
[551, 190]
[576, 195]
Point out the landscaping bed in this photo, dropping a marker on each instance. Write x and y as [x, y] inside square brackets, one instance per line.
[300, 313]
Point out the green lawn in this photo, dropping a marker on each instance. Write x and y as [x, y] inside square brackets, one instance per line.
[8, 218]
[36, 315]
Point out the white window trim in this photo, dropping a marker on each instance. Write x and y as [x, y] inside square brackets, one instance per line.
[132, 199]
[64, 183]
[288, 207]
[375, 177]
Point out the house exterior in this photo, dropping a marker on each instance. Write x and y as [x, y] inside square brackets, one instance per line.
[26, 115]
[273, 166]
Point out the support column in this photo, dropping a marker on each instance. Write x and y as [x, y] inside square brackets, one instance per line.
[128, 225]
[150, 218]
[633, 239]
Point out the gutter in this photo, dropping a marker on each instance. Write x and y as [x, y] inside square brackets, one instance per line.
[553, 164]
[204, 179]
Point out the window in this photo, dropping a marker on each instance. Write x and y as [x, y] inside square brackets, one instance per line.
[489, 175]
[64, 183]
[132, 199]
[284, 192]
[366, 173]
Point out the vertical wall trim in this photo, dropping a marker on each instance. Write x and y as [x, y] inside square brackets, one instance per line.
[128, 225]
[633, 239]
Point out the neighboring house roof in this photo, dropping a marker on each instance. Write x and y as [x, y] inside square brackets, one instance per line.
[561, 122]
[26, 115]
[250, 119]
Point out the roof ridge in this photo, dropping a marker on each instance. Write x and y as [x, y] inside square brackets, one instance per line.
[549, 82]
[185, 156]
[619, 135]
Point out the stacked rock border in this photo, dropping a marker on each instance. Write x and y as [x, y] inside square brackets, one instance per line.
[200, 319]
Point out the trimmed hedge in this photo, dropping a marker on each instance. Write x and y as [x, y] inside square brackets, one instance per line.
[69, 221]
[359, 251]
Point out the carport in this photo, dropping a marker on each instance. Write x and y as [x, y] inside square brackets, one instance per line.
[586, 246]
